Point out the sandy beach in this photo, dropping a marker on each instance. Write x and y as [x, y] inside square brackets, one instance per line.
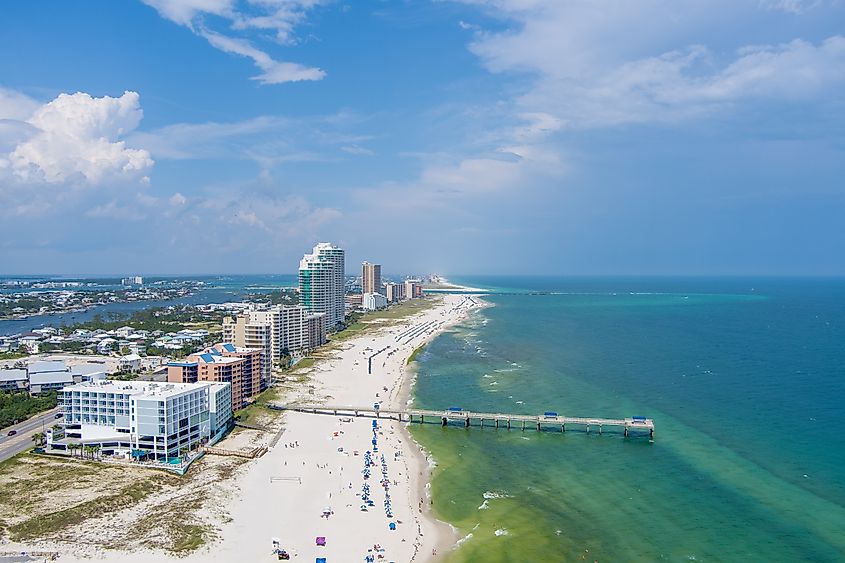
[362, 488]
[319, 461]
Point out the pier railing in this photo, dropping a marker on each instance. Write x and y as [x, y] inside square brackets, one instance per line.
[469, 418]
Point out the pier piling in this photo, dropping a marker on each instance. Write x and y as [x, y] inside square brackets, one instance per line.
[627, 425]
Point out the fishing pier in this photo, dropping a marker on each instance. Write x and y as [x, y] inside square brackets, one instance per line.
[547, 421]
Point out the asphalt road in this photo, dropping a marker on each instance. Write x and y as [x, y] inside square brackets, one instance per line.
[13, 445]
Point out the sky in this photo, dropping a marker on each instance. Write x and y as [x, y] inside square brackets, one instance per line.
[558, 137]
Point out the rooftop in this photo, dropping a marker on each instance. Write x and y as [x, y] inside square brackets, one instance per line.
[12, 375]
[46, 366]
[137, 389]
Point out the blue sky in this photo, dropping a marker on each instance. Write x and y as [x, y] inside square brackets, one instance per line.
[474, 136]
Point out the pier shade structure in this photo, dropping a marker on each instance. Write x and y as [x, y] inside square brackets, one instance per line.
[548, 420]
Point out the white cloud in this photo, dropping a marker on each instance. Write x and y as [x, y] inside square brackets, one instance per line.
[77, 138]
[796, 7]
[184, 12]
[275, 72]
[603, 64]
[357, 150]
[15, 105]
[280, 16]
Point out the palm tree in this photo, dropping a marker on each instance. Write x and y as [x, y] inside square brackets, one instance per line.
[95, 450]
[38, 438]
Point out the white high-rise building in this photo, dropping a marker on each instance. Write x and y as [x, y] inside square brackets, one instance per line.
[321, 282]
[160, 418]
[374, 301]
[287, 326]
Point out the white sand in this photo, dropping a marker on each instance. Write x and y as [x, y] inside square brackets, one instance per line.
[283, 494]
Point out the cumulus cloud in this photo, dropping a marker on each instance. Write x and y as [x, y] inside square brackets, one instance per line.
[77, 138]
[279, 16]
[603, 64]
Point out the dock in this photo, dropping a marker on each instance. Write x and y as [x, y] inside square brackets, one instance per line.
[547, 421]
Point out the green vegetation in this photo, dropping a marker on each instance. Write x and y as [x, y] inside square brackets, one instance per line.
[165, 319]
[281, 297]
[13, 355]
[251, 413]
[413, 357]
[17, 407]
[358, 323]
[39, 527]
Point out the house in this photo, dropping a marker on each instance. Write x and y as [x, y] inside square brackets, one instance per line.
[105, 345]
[130, 363]
[124, 331]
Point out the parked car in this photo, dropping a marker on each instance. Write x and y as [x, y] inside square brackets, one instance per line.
[11, 432]
[59, 415]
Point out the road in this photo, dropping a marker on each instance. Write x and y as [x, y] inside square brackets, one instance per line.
[13, 445]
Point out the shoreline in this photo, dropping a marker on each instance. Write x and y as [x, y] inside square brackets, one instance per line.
[310, 483]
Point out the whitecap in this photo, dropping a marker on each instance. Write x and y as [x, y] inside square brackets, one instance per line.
[495, 494]
[484, 505]
[501, 532]
[463, 539]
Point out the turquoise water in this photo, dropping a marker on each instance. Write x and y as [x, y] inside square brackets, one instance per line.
[745, 380]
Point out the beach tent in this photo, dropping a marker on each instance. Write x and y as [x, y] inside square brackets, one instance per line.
[321, 540]
[321, 560]
[393, 525]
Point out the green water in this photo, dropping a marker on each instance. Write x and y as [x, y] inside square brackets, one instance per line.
[745, 383]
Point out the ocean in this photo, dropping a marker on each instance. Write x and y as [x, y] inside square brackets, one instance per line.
[744, 378]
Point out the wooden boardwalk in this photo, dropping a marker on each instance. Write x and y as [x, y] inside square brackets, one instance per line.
[468, 418]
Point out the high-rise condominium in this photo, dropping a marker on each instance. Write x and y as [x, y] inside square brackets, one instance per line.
[371, 278]
[321, 282]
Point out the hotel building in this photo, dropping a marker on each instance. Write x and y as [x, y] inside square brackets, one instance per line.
[290, 329]
[248, 330]
[321, 282]
[371, 278]
[374, 301]
[413, 289]
[394, 292]
[159, 419]
[223, 363]
[316, 328]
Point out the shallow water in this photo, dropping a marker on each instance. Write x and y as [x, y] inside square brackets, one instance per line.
[744, 379]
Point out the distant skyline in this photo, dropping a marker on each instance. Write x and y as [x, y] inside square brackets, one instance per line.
[459, 137]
